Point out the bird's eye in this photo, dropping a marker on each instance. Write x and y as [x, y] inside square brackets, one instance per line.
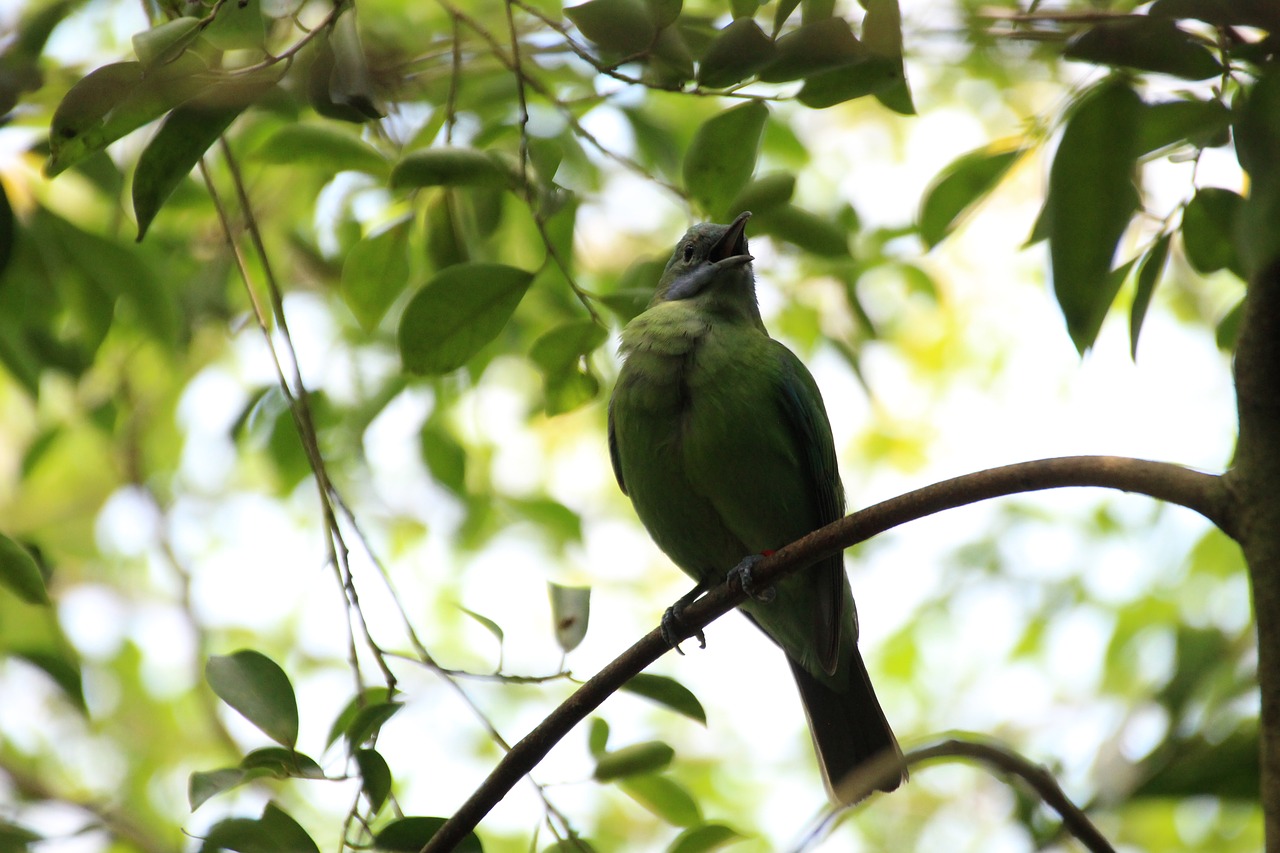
[688, 252]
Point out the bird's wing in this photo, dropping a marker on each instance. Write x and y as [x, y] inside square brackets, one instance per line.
[801, 403]
[613, 451]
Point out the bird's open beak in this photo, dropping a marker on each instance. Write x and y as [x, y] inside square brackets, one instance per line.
[731, 249]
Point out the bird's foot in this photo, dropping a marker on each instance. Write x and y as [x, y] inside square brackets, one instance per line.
[744, 573]
[673, 622]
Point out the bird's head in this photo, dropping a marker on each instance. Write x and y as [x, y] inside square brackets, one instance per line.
[711, 264]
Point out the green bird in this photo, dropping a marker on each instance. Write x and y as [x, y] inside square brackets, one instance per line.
[718, 434]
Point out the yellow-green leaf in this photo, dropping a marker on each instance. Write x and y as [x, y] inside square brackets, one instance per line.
[457, 312]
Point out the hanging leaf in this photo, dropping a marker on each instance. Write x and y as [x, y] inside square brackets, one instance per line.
[1204, 124]
[411, 834]
[723, 155]
[570, 614]
[375, 273]
[738, 51]
[623, 26]
[960, 186]
[20, 574]
[457, 312]
[812, 49]
[668, 692]
[1208, 230]
[165, 42]
[763, 194]
[1091, 198]
[1149, 271]
[819, 235]
[663, 797]
[871, 76]
[375, 777]
[332, 148]
[1146, 43]
[368, 697]
[258, 688]
[882, 34]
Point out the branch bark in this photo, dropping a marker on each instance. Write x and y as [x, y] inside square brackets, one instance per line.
[1204, 493]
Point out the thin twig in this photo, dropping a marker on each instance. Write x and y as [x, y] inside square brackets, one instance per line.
[1204, 493]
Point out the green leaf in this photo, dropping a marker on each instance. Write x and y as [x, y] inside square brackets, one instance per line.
[332, 148]
[1208, 230]
[960, 186]
[707, 836]
[351, 86]
[562, 524]
[738, 51]
[366, 698]
[668, 692]
[1194, 766]
[375, 777]
[597, 737]
[114, 100]
[570, 614]
[203, 785]
[444, 456]
[410, 834]
[274, 832]
[821, 46]
[1199, 123]
[664, 798]
[375, 273]
[872, 76]
[165, 42]
[623, 26]
[184, 136]
[763, 194]
[809, 231]
[462, 308]
[782, 12]
[1227, 331]
[449, 166]
[664, 13]
[1222, 13]
[1149, 270]
[1257, 138]
[368, 721]
[882, 34]
[638, 758]
[1147, 43]
[722, 155]
[20, 573]
[238, 25]
[561, 355]
[282, 763]
[15, 838]
[1091, 199]
[258, 688]
[446, 235]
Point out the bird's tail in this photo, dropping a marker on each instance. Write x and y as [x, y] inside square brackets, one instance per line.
[856, 748]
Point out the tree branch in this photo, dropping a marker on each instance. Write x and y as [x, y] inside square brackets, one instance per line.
[1204, 493]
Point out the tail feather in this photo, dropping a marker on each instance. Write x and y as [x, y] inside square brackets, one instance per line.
[850, 731]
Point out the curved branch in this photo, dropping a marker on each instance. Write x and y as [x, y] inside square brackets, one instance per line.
[1204, 493]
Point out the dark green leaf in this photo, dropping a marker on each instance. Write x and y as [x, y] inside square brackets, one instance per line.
[1222, 13]
[274, 832]
[410, 834]
[368, 721]
[763, 194]
[782, 12]
[1208, 230]
[668, 692]
[872, 76]
[20, 573]
[375, 777]
[457, 312]
[1197, 767]
[114, 100]
[1228, 329]
[812, 49]
[623, 26]
[1257, 138]
[723, 154]
[258, 688]
[61, 665]
[375, 273]
[597, 737]
[633, 760]
[882, 34]
[206, 784]
[1091, 199]
[368, 697]
[960, 186]
[807, 230]
[1147, 43]
[1148, 276]
[184, 136]
[664, 13]
[739, 50]
[15, 838]
[1199, 123]
[708, 836]
[663, 797]
[282, 763]
[570, 614]
[327, 146]
[447, 166]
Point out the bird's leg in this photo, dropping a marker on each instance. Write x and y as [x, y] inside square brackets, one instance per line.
[673, 621]
[743, 572]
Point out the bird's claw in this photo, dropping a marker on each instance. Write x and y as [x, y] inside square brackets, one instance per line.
[673, 627]
[744, 573]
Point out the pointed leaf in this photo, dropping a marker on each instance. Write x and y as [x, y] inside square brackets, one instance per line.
[20, 574]
[807, 230]
[1208, 230]
[203, 785]
[960, 186]
[258, 688]
[163, 43]
[449, 166]
[1147, 43]
[812, 49]
[238, 25]
[882, 34]
[410, 834]
[738, 51]
[457, 312]
[322, 145]
[368, 721]
[623, 26]
[708, 836]
[1148, 276]
[871, 76]
[368, 697]
[375, 777]
[597, 737]
[723, 155]
[1199, 123]
[638, 758]
[668, 692]
[444, 456]
[663, 797]
[375, 273]
[282, 763]
[1091, 199]
[763, 194]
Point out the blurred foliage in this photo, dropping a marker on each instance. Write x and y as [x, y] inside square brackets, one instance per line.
[424, 213]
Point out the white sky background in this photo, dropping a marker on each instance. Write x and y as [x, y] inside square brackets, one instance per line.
[1022, 393]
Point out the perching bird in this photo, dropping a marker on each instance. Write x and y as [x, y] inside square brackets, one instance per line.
[718, 434]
